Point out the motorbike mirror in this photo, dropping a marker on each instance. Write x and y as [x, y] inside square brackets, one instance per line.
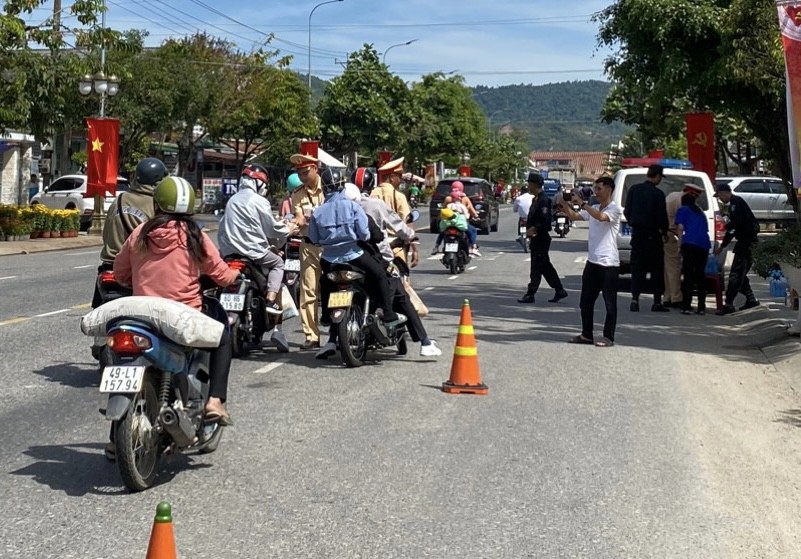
[413, 216]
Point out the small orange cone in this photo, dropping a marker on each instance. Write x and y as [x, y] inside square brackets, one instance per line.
[162, 539]
[465, 376]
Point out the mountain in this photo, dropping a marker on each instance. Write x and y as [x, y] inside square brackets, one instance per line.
[555, 116]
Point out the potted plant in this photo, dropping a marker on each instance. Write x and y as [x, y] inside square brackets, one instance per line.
[55, 224]
[46, 223]
[783, 249]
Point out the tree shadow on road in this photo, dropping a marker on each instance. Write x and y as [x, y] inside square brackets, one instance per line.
[790, 417]
[76, 375]
[81, 469]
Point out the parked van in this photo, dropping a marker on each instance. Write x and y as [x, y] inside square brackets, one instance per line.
[673, 180]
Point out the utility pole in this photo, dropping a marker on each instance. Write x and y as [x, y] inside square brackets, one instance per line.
[59, 141]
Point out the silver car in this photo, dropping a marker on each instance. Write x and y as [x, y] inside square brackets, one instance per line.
[766, 196]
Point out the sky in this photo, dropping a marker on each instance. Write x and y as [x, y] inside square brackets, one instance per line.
[490, 43]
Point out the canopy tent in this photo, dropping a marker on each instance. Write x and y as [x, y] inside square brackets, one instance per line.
[329, 160]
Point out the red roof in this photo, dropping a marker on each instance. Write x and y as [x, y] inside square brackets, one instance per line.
[585, 163]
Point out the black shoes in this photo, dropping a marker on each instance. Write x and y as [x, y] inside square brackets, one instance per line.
[727, 309]
[635, 306]
[750, 305]
[659, 307]
[527, 298]
[558, 296]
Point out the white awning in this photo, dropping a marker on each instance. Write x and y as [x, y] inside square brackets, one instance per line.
[329, 160]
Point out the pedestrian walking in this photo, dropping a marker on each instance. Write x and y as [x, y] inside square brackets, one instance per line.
[692, 229]
[33, 187]
[538, 224]
[603, 261]
[743, 226]
[646, 213]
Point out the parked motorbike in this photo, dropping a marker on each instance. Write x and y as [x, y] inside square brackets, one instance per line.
[108, 290]
[456, 250]
[357, 318]
[561, 224]
[522, 238]
[292, 268]
[157, 391]
[244, 302]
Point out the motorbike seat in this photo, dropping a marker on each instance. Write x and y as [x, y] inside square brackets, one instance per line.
[253, 270]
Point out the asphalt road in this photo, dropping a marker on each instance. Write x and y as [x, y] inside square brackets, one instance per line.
[670, 444]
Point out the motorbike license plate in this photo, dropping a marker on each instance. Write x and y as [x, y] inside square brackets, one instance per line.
[340, 299]
[119, 378]
[232, 301]
[522, 229]
[292, 265]
[561, 220]
[451, 247]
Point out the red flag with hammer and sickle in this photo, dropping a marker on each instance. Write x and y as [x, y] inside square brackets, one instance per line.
[701, 142]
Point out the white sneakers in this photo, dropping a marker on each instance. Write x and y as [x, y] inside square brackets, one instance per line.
[326, 351]
[430, 350]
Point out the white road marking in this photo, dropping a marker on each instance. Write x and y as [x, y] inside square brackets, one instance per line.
[271, 367]
[472, 267]
[429, 289]
[85, 266]
[453, 277]
[434, 257]
[581, 260]
[527, 259]
[51, 313]
[81, 253]
[501, 253]
[8, 277]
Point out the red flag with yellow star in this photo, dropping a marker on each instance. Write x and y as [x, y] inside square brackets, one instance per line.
[102, 149]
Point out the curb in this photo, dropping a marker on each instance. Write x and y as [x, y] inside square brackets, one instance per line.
[33, 246]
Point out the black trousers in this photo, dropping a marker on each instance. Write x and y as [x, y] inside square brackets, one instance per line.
[402, 304]
[738, 276]
[377, 284]
[541, 265]
[647, 257]
[693, 266]
[219, 358]
[598, 279]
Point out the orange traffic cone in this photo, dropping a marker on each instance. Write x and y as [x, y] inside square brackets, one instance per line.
[162, 539]
[465, 376]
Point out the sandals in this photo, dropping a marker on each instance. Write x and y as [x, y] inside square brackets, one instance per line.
[579, 340]
[216, 417]
[604, 342]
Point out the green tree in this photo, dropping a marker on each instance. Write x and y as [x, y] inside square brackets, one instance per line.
[718, 55]
[499, 157]
[364, 109]
[445, 121]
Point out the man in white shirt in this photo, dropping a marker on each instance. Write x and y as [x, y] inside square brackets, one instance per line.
[523, 203]
[603, 261]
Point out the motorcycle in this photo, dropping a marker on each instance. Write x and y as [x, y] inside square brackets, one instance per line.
[561, 224]
[413, 203]
[244, 302]
[292, 268]
[157, 390]
[522, 237]
[108, 290]
[456, 251]
[356, 317]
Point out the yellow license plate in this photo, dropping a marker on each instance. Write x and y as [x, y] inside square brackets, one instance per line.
[340, 299]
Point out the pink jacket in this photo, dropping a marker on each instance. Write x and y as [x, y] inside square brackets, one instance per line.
[166, 270]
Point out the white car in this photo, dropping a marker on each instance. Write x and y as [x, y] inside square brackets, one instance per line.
[766, 196]
[673, 180]
[67, 193]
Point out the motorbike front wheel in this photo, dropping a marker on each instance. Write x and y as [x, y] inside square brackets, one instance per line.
[352, 337]
[138, 444]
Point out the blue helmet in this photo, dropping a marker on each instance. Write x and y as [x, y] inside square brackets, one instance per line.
[292, 182]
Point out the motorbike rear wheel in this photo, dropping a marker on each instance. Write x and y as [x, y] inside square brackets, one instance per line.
[237, 339]
[138, 444]
[352, 337]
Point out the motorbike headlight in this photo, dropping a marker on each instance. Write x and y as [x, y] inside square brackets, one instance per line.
[342, 276]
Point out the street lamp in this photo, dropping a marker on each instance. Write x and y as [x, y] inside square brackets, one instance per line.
[384, 57]
[104, 86]
[310, 16]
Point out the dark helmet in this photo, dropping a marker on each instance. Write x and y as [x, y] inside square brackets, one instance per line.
[259, 174]
[150, 171]
[364, 178]
[332, 180]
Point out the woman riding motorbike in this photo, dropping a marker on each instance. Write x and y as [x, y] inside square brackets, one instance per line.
[165, 257]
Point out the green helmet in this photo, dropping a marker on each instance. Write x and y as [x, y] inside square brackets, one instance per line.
[292, 182]
[174, 195]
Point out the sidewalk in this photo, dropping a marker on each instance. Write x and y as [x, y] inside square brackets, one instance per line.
[8, 248]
